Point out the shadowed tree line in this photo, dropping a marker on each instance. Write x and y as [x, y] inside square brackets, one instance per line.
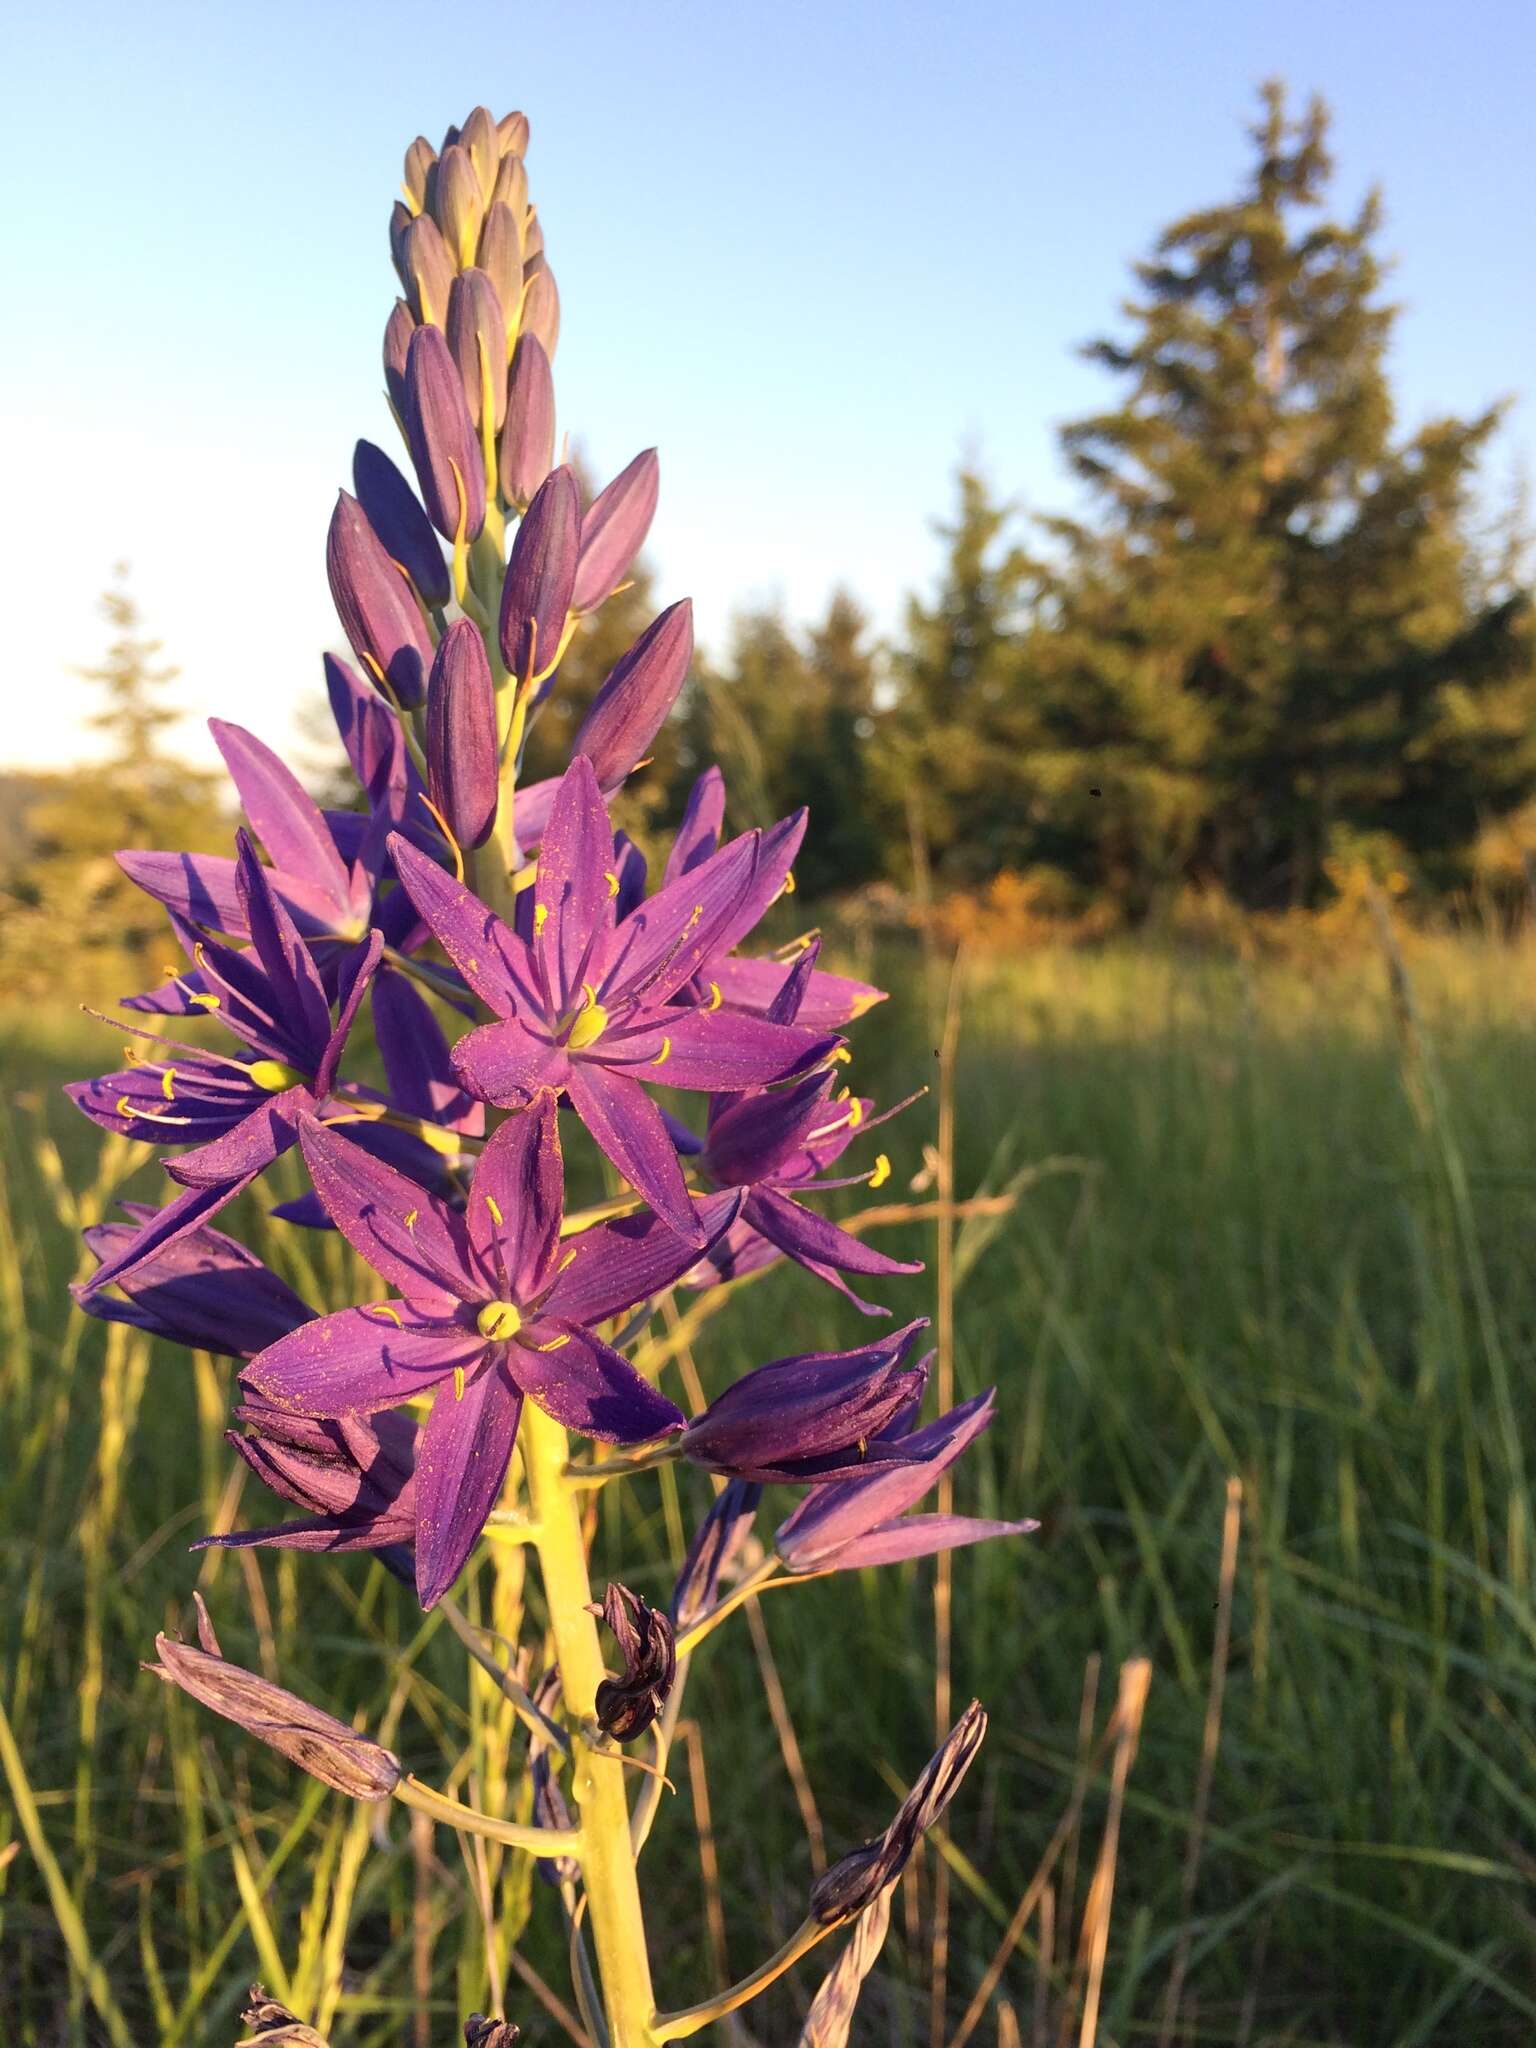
[1277, 639]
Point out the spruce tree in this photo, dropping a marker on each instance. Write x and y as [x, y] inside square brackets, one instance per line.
[1269, 649]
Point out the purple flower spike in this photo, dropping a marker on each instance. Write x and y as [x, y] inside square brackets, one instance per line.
[587, 1006]
[540, 578]
[628, 711]
[378, 614]
[528, 438]
[394, 512]
[317, 1742]
[398, 329]
[541, 305]
[477, 338]
[459, 203]
[429, 268]
[494, 1307]
[441, 436]
[819, 1417]
[501, 260]
[354, 1479]
[614, 530]
[463, 758]
[864, 1521]
[205, 1291]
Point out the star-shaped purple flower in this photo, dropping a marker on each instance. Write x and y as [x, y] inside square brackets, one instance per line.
[238, 1111]
[495, 1306]
[589, 1005]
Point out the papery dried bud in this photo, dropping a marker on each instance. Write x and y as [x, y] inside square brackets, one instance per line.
[830, 2019]
[528, 434]
[501, 258]
[398, 329]
[404, 530]
[449, 466]
[317, 1742]
[540, 577]
[479, 137]
[641, 688]
[479, 2032]
[513, 130]
[627, 1705]
[477, 340]
[858, 1880]
[419, 159]
[459, 204]
[463, 758]
[373, 600]
[272, 2025]
[511, 187]
[429, 269]
[713, 1551]
[541, 306]
[613, 530]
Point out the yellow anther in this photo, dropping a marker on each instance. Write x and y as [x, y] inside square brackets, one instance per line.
[863, 1446]
[410, 1218]
[839, 1056]
[558, 1345]
[390, 1314]
[855, 1113]
[540, 918]
[695, 914]
[612, 880]
[125, 1108]
[132, 1057]
[274, 1076]
[787, 886]
[566, 1260]
[458, 1383]
[664, 1055]
[206, 1002]
[715, 997]
[496, 1215]
[167, 1081]
[588, 1028]
[171, 973]
[589, 992]
[499, 1320]
[436, 1139]
[882, 1172]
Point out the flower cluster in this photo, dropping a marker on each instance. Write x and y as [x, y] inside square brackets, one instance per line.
[428, 997]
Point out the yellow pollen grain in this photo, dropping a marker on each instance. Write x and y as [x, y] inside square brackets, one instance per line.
[882, 1172]
[540, 918]
[410, 1218]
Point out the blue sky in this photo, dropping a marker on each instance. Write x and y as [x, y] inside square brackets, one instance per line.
[813, 252]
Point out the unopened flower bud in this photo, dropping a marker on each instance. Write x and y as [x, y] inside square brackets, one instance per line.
[400, 218]
[395, 514]
[317, 1742]
[441, 436]
[713, 1551]
[533, 237]
[627, 1705]
[540, 576]
[513, 130]
[859, 1879]
[459, 204]
[511, 188]
[419, 159]
[479, 137]
[541, 306]
[528, 433]
[398, 329]
[429, 269]
[501, 258]
[463, 758]
[641, 688]
[373, 600]
[613, 530]
[477, 340]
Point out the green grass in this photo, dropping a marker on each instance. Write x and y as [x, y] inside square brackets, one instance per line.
[1258, 1232]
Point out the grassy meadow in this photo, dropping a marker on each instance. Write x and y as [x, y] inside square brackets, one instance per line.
[1270, 1225]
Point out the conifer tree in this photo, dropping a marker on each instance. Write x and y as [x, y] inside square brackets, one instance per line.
[1270, 648]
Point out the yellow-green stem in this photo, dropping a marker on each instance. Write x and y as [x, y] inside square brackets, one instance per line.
[597, 1780]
